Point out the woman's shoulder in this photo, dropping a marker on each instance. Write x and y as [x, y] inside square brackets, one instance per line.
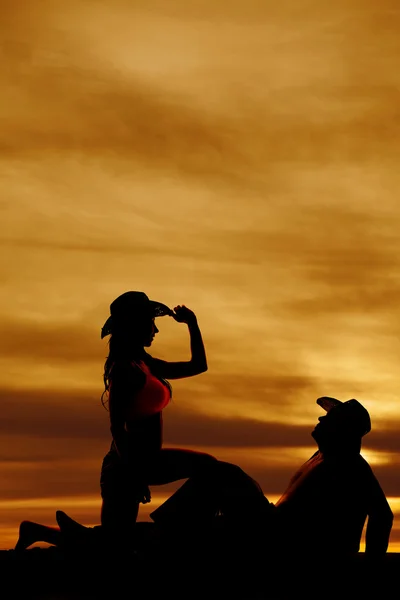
[127, 370]
[149, 363]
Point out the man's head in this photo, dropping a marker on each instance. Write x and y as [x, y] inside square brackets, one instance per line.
[344, 424]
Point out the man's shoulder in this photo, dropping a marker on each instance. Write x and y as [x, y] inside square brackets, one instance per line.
[358, 468]
[348, 463]
[362, 461]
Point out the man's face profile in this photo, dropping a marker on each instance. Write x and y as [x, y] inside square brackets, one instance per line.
[330, 425]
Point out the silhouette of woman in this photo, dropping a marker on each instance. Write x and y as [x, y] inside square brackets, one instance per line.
[138, 390]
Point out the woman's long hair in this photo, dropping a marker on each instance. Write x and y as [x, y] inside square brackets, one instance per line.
[123, 347]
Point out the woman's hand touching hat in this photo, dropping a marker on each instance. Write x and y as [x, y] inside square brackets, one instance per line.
[182, 314]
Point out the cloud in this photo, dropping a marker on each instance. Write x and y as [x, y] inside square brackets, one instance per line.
[84, 110]
[46, 414]
[54, 415]
[49, 479]
[49, 341]
[64, 98]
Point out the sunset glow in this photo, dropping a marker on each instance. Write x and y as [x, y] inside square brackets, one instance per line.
[240, 158]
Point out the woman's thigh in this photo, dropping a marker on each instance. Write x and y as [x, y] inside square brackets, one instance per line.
[172, 464]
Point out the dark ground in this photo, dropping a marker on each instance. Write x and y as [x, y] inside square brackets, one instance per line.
[174, 566]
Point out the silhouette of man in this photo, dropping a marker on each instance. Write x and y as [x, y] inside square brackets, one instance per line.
[330, 497]
[327, 501]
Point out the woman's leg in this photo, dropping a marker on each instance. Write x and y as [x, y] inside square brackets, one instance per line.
[119, 509]
[75, 534]
[30, 533]
[191, 501]
[213, 486]
[172, 464]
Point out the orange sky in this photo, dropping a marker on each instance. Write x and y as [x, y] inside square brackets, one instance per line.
[240, 158]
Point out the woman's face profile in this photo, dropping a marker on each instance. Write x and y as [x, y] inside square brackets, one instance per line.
[149, 331]
[141, 329]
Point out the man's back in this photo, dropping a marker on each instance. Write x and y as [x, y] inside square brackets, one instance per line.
[328, 501]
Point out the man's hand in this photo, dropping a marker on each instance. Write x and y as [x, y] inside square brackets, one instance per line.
[182, 314]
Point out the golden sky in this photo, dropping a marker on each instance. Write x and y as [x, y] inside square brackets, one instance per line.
[238, 157]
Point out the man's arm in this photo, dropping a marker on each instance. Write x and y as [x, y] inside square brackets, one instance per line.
[198, 361]
[380, 520]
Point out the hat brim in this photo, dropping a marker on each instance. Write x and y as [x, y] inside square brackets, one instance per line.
[159, 309]
[328, 403]
[107, 328]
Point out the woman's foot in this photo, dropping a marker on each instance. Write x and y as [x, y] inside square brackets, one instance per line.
[73, 532]
[29, 533]
[66, 523]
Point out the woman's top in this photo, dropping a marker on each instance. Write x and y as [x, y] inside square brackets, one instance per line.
[143, 417]
[152, 398]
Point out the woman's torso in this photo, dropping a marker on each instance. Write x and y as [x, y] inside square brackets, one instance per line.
[143, 411]
[150, 399]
